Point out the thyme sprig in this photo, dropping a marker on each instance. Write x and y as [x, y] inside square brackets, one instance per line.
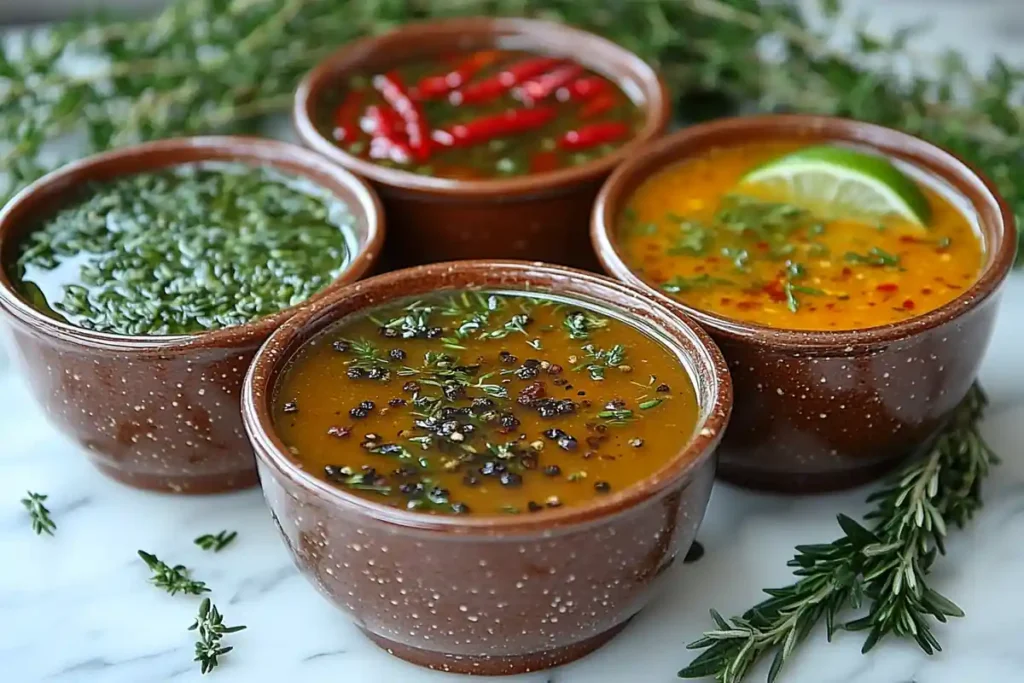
[174, 579]
[884, 565]
[211, 629]
[216, 542]
[39, 513]
[205, 66]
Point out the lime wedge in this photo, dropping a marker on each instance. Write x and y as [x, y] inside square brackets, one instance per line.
[843, 183]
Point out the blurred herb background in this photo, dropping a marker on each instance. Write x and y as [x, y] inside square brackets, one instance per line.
[203, 66]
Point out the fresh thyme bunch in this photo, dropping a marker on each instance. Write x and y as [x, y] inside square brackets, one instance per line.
[884, 566]
[206, 66]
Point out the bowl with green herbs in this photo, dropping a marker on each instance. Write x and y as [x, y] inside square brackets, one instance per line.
[139, 283]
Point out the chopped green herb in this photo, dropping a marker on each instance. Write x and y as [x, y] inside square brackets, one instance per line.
[39, 513]
[874, 257]
[682, 284]
[172, 579]
[216, 542]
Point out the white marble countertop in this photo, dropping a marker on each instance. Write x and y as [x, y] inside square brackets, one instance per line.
[78, 607]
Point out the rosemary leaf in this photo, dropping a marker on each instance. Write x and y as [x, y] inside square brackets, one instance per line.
[885, 563]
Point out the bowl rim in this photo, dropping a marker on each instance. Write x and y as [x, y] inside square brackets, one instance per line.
[149, 156]
[596, 52]
[277, 352]
[979, 190]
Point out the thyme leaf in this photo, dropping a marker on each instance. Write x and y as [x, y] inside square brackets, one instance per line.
[211, 629]
[174, 579]
[39, 513]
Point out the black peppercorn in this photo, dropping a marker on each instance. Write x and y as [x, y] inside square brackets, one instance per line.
[367, 405]
[354, 373]
[510, 479]
[567, 443]
[291, 407]
[534, 507]
[396, 402]
[602, 486]
[552, 470]
[460, 508]
[341, 346]
[378, 374]
[663, 389]
[388, 332]
[396, 354]
[359, 413]
[434, 332]
[411, 386]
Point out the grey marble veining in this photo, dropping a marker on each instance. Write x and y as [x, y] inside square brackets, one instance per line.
[78, 608]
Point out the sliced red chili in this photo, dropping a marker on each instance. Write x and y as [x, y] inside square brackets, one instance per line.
[598, 105]
[388, 141]
[546, 84]
[493, 87]
[394, 92]
[585, 88]
[511, 122]
[593, 135]
[431, 87]
[346, 117]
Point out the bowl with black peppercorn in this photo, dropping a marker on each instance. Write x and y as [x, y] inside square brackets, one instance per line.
[139, 283]
[488, 465]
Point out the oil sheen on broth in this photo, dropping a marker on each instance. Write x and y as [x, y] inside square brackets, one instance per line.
[484, 402]
[751, 257]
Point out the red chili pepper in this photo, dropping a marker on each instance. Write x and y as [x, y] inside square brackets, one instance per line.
[543, 86]
[430, 87]
[387, 142]
[542, 162]
[394, 92]
[511, 122]
[597, 106]
[593, 134]
[346, 117]
[493, 87]
[584, 88]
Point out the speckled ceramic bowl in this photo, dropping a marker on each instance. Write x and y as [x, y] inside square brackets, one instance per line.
[161, 412]
[490, 595]
[829, 410]
[541, 217]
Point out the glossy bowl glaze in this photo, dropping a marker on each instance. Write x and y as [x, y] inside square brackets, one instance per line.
[818, 411]
[490, 595]
[540, 217]
[161, 412]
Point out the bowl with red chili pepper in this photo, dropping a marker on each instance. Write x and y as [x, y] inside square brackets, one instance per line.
[486, 138]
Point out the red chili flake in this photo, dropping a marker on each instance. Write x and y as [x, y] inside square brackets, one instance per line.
[908, 239]
[831, 305]
[774, 291]
[544, 161]
[908, 304]
[846, 271]
[747, 305]
[726, 301]
[763, 246]
[712, 259]
[888, 287]
[699, 269]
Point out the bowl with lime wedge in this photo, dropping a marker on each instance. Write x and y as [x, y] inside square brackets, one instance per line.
[849, 272]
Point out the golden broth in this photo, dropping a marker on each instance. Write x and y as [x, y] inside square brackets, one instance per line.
[484, 403]
[682, 233]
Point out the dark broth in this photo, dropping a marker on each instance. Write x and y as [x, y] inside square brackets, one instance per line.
[485, 114]
[189, 248]
[484, 403]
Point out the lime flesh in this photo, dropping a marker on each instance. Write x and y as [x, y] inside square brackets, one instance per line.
[843, 183]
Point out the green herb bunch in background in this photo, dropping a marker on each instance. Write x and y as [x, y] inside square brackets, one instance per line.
[205, 66]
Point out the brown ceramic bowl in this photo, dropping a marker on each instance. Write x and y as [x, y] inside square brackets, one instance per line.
[161, 412]
[829, 410]
[540, 217]
[490, 595]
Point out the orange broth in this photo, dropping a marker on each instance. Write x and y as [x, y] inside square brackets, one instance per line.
[485, 403]
[679, 233]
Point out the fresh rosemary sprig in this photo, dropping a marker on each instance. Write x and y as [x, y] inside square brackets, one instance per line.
[211, 628]
[172, 579]
[884, 565]
[39, 513]
[216, 542]
[205, 66]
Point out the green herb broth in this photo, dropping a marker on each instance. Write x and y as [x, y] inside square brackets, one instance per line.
[189, 248]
